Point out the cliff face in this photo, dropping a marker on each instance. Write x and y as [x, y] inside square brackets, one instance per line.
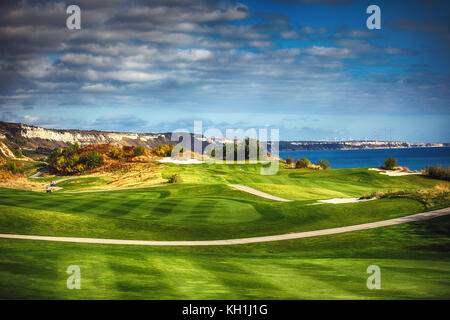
[16, 135]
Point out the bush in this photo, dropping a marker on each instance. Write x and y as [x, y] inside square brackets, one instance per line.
[74, 159]
[14, 167]
[117, 154]
[17, 153]
[390, 163]
[139, 151]
[163, 150]
[324, 164]
[175, 178]
[438, 196]
[289, 160]
[437, 172]
[92, 160]
[302, 163]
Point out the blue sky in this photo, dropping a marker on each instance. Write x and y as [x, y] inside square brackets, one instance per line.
[310, 68]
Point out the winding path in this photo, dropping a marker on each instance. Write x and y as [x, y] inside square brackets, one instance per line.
[289, 236]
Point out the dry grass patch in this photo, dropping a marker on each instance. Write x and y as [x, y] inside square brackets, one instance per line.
[8, 180]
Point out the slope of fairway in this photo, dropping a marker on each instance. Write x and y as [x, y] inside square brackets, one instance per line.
[184, 212]
[413, 258]
[299, 184]
[203, 207]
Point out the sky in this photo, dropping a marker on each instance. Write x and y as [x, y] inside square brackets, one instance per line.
[310, 68]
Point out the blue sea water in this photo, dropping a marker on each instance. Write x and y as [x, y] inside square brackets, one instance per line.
[413, 158]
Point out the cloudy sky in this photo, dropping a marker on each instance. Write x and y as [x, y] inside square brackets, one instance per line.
[308, 67]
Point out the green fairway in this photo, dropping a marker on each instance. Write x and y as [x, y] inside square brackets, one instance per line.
[413, 259]
[203, 207]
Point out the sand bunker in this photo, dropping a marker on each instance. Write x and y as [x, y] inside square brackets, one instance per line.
[180, 161]
[343, 200]
[393, 173]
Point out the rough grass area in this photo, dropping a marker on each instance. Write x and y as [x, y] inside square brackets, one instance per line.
[438, 196]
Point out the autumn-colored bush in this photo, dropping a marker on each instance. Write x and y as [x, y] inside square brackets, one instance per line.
[116, 153]
[437, 172]
[74, 159]
[14, 167]
[163, 150]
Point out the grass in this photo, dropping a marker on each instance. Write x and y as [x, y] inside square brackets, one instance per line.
[180, 212]
[298, 184]
[413, 257]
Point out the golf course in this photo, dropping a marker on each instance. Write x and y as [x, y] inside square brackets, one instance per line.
[413, 257]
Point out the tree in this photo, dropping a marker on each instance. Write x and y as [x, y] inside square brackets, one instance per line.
[323, 163]
[289, 160]
[302, 163]
[139, 151]
[163, 150]
[117, 153]
[390, 163]
[175, 178]
[92, 160]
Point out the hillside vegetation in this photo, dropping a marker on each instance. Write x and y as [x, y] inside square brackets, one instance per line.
[75, 159]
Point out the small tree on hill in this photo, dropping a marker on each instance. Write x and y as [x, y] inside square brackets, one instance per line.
[323, 163]
[93, 159]
[302, 163]
[139, 151]
[175, 178]
[117, 153]
[390, 163]
[289, 160]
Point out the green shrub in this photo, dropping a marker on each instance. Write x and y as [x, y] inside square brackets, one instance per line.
[437, 172]
[289, 160]
[117, 154]
[92, 160]
[71, 150]
[14, 167]
[390, 163]
[175, 178]
[323, 163]
[302, 163]
[139, 151]
[17, 153]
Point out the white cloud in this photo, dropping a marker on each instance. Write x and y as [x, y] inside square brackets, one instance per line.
[331, 52]
[98, 87]
[133, 76]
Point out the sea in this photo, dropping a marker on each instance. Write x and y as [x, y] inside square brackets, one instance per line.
[413, 158]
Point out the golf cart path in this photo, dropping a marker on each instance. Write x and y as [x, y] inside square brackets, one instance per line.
[257, 192]
[372, 225]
